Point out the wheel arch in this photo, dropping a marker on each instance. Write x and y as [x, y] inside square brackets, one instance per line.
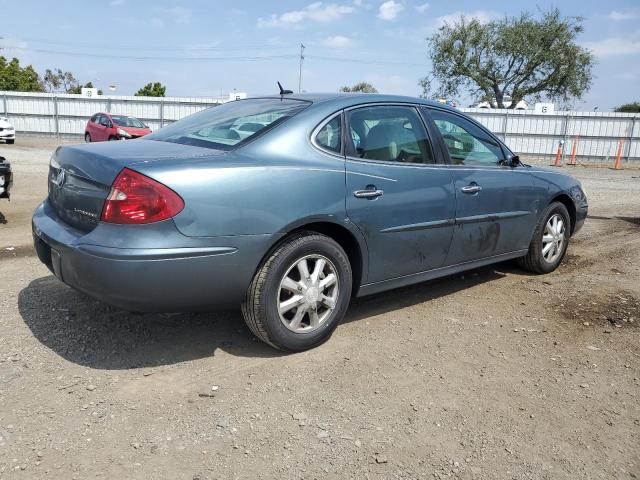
[566, 200]
[351, 242]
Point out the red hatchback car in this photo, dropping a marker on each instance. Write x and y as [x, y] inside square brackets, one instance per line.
[107, 126]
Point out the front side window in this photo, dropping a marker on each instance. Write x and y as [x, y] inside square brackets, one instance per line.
[329, 136]
[104, 121]
[389, 134]
[226, 126]
[467, 143]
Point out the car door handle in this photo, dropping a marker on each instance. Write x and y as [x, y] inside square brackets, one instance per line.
[473, 188]
[369, 193]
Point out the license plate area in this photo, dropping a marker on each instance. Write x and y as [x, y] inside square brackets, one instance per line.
[56, 263]
[49, 256]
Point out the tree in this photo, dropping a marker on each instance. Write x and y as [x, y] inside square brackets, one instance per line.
[628, 108]
[15, 78]
[521, 57]
[57, 80]
[155, 89]
[362, 87]
[78, 88]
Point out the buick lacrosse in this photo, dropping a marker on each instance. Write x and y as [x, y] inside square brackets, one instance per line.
[291, 205]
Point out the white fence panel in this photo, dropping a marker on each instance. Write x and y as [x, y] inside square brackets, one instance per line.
[597, 133]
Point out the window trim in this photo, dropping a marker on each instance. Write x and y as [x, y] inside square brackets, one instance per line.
[506, 151]
[321, 125]
[109, 123]
[416, 107]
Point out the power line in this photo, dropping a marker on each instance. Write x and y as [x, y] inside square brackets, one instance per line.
[300, 56]
[139, 57]
[178, 48]
[235, 47]
[364, 61]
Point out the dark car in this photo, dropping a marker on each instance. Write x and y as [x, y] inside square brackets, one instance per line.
[291, 205]
[102, 127]
[6, 178]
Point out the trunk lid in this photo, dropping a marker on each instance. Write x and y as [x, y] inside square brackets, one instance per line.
[80, 176]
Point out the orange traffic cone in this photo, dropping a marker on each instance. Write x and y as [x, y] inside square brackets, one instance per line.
[558, 156]
[617, 165]
[572, 159]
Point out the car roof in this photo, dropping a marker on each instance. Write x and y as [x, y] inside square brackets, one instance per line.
[349, 99]
[111, 114]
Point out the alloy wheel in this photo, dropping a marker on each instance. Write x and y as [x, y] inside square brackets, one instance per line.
[308, 293]
[553, 238]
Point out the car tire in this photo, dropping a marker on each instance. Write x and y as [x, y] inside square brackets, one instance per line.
[548, 246]
[322, 301]
[112, 139]
[11, 142]
[87, 137]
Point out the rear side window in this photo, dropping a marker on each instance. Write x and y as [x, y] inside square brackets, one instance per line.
[467, 143]
[229, 125]
[329, 137]
[389, 134]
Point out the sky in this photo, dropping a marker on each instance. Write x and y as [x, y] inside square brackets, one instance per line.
[203, 48]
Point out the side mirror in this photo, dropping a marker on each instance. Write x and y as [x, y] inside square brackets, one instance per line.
[514, 161]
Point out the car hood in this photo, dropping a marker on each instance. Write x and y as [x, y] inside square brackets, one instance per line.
[5, 124]
[554, 170]
[136, 131]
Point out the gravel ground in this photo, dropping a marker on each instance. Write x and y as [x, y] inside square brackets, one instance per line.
[493, 374]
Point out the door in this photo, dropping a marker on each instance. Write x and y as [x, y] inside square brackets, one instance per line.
[495, 202]
[397, 194]
[96, 130]
[103, 128]
[91, 126]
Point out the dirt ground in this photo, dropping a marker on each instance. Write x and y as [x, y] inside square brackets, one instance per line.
[493, 374]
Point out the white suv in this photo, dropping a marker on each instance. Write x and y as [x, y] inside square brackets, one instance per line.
[7, 132]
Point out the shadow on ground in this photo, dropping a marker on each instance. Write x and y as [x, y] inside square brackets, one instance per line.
[90, 333]
[362, 308]
[633, 220]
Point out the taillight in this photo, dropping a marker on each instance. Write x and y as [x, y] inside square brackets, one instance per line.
[136, 198]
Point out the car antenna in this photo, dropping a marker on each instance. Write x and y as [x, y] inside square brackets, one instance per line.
[283, 91]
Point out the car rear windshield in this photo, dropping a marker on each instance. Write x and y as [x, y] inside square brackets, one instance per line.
[124, 121]
[231, 124]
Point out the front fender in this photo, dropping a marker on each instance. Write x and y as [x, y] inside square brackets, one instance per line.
[552, 185]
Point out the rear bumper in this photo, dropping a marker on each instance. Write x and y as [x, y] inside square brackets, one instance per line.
[184, 274]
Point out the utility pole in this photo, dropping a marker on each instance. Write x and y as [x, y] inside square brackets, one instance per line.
[302, 47]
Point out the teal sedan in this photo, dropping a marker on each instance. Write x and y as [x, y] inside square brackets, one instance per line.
[290, 206]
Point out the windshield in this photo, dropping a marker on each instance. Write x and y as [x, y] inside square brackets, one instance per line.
[229, 125]
[124, 121]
